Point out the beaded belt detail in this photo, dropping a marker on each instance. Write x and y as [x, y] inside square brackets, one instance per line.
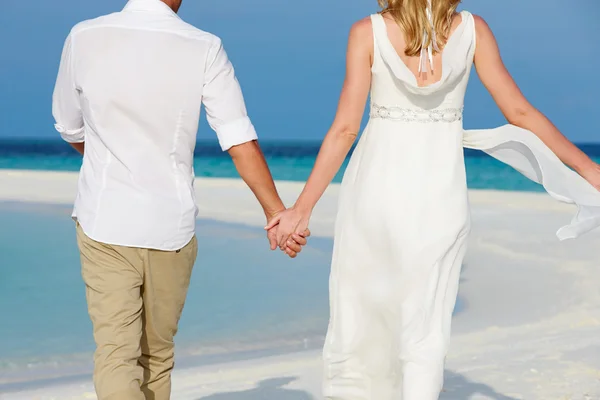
[416, 115]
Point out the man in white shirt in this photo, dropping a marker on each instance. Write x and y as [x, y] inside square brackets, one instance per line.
[130, 86]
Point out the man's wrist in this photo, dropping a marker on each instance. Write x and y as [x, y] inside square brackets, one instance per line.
[273, 212]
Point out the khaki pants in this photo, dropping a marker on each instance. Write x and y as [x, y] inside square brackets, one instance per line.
[135, 298]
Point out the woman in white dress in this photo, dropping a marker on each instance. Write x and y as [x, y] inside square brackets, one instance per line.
[403, 217]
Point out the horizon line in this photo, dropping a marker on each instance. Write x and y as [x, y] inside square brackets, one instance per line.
[57, 140]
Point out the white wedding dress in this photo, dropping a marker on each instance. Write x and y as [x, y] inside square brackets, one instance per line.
[403, 224]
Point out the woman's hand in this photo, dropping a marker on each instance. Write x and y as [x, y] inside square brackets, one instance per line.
[293, 246]
[289, 222]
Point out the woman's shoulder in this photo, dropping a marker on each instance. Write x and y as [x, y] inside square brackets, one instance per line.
[482, 29]
[362, 31]
[480, 23]
[363, 25]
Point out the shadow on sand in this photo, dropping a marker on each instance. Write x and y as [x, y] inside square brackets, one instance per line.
[270, 389]
[456, 387]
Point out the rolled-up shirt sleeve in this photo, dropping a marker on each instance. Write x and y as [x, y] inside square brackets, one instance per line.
[66, 107]
[223, 100]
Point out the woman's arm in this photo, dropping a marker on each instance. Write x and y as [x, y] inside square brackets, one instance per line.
[518, 111]
[341, 135]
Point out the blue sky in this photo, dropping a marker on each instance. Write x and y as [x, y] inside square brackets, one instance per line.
[289, 57]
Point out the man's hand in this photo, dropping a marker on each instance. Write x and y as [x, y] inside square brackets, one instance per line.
[293, 246]
[289, 222]
[253, 169]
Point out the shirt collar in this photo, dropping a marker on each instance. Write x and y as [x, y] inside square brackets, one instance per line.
[154, 6]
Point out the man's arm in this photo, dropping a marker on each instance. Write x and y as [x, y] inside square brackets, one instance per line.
[252, 167]
[226, 114]
[79, 147]
[66, 108]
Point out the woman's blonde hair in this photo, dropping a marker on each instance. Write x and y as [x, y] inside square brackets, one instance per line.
[411, 15]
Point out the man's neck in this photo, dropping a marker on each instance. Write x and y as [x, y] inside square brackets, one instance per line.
[173, 4]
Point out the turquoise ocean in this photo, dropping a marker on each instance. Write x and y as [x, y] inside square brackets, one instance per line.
[241, 303]
[288, 160]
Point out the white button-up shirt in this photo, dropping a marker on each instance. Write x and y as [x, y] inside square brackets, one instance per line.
[131, 85]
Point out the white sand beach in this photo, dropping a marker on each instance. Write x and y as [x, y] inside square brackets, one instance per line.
[529, 327]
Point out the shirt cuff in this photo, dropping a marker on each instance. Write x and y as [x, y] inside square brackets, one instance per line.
[71, 135]
[236, 132]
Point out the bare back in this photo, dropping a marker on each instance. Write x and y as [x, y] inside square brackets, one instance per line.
[397, 39]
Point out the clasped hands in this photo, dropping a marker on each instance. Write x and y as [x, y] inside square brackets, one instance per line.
[289, 231]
